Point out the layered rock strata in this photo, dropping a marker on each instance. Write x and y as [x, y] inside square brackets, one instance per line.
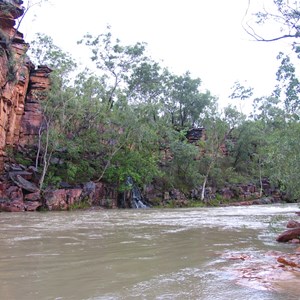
[21, 86]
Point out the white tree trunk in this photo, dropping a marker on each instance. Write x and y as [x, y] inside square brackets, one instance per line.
[203, 187]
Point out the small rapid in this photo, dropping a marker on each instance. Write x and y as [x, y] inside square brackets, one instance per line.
[138, 254]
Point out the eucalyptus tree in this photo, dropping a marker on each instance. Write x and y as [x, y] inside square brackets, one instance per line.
[284, 158]
[280, 114]
[183, 100]
[287, 89]
[285, 14]
[218, 130]
[241, 92]
[114, 61]
[146, 87]
[179, 165]
[43, 51]
[131, 146]
[58, 106]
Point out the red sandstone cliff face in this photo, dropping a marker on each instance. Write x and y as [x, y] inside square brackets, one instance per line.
[22, 91]
[20, 84]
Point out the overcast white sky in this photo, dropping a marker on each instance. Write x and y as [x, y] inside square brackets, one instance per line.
[203, 36]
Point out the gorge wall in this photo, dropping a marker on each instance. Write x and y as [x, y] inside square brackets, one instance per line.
[21, 85]
[23, 88]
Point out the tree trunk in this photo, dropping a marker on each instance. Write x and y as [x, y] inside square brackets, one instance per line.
[46, 160]
[39, 148]
[260, 179]
[205, 181]
[203, 188]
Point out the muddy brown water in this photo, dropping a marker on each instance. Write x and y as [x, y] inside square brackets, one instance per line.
[137, 254]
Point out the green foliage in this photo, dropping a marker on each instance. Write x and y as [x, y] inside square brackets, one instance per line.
[141, 167]
[288, 87]
[131, 118]
[82, 204]
[182, 170]
[44, 52]
[284, 158]
[20, 159]
[52, 180]
[241, 92]
[115, 62]
[196, 204]
[12, 63]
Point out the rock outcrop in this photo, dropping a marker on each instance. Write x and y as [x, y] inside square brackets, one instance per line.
[19, 192]
[292, 235]
[289, 235]
[22, 88]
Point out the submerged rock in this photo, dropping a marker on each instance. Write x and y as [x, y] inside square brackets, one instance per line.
[293, 224]
[270, 271]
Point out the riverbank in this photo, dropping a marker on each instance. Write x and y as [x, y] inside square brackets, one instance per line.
[20, 191]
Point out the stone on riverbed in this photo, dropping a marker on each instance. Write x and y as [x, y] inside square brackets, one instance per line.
[270, 271]
[289, 235]
[293, 224]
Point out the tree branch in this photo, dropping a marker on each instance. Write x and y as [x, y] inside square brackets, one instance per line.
[285, 19]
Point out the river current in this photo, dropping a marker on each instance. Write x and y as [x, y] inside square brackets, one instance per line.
[136, 254]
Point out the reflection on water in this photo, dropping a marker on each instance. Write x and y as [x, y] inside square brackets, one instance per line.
[134, 254]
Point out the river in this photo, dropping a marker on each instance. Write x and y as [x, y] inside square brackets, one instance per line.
[136, 254]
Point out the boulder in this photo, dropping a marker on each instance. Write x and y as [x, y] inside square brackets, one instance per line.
[24, 174]
[294, 241]
[265, 200]
[288, 262]
[33, 196]
[289, 235]
[56, 199]
[62, 199]
[73, 196]
[32, 205]
[105, 195]
[88, 191]
[12, 206]
[176, 194]
[293, 224]
[14, 193]
[227, 193]
[23, 183]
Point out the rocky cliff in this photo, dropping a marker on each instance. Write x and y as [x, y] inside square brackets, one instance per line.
[21, 85]
[22, 91]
